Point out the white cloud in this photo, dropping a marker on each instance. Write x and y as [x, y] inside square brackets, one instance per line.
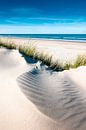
[45, 29]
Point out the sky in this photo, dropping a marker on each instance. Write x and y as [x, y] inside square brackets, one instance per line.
[42, 16]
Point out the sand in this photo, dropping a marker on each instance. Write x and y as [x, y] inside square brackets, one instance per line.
[64, 51]
[38, 99]
[58, 95]
[16, 111]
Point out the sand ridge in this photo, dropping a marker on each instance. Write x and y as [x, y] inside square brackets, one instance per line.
[57, 96]
[16, 111]
[48, 100]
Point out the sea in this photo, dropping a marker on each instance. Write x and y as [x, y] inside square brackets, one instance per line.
[68, 37]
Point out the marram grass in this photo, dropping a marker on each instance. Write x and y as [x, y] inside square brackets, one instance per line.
[28, 51]
[31, 51]
[80, 61]
[8, 45]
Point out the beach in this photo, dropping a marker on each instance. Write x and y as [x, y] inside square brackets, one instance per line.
[58, 49]
[34, 98]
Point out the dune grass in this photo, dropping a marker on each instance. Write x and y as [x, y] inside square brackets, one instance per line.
[80, 61]
[30, 51]
[8, 45]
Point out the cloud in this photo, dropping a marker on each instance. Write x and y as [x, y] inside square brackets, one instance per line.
[31, 20]
[44, 29]
[26, 20]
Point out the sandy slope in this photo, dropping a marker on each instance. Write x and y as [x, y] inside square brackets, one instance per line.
[16, 112]
[59, 95]
[57, 101]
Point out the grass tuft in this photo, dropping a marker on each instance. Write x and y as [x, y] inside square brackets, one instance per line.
[67, 66]
[45, 58]
[30, 50]
[80, 61]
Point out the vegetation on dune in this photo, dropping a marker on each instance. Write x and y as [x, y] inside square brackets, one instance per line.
[9, 45]
[27, 50]
[45, 58]
[80, 61]
[30, 50]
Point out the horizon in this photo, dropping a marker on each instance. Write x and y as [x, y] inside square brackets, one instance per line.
[41, 34]
[43, 17]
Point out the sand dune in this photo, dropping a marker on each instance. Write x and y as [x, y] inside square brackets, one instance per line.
[60, 50]
[57, 96]
[55, 100]
[16, 111]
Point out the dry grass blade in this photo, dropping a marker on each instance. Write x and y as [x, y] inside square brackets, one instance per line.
[30, 50]
[80, 61]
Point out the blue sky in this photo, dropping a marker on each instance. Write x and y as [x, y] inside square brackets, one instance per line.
[43, 16]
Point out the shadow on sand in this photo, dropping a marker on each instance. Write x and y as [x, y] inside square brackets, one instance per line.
[28, 59]
[56, 96]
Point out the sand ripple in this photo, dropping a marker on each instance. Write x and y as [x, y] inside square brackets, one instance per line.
[56, 96]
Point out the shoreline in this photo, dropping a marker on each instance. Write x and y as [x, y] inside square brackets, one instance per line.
[46, 39]
[53, 52]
